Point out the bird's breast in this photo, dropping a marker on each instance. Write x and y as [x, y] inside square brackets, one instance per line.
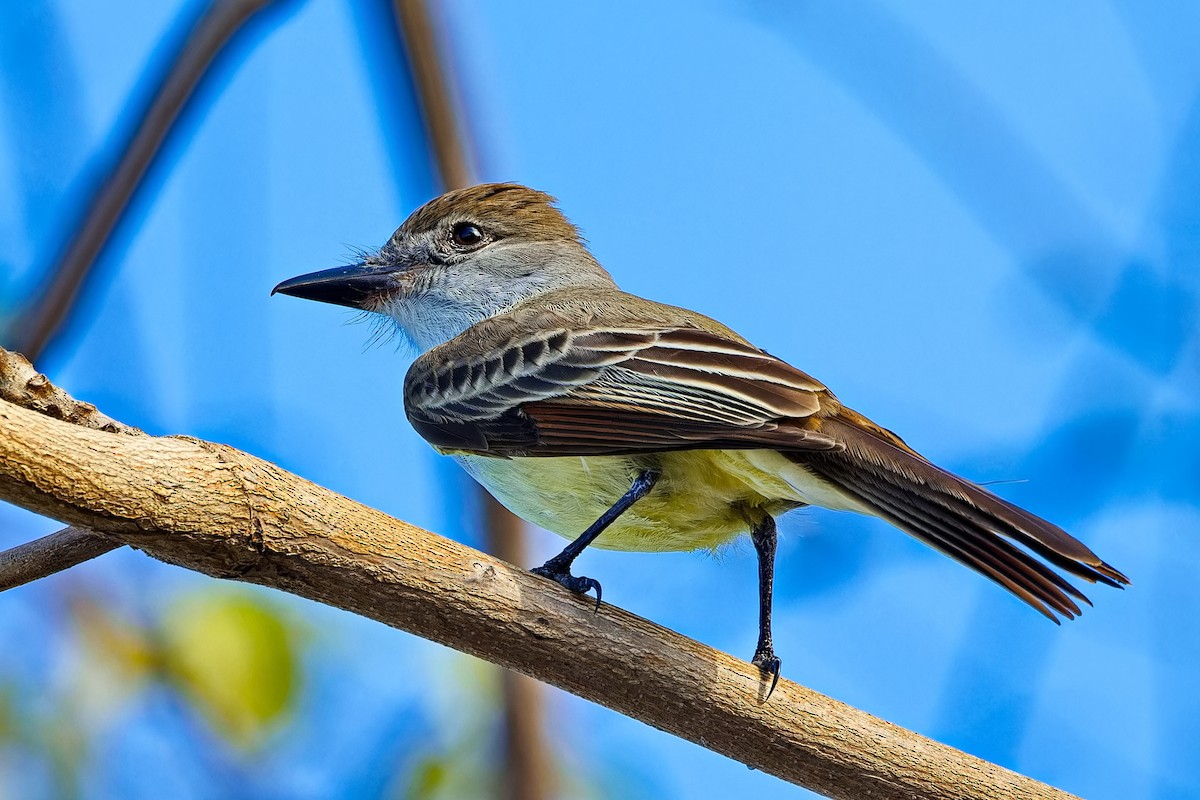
[703, 499]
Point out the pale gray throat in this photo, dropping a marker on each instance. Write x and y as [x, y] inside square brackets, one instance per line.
[428, 321]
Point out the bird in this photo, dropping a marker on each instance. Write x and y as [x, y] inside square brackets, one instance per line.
[623, 423]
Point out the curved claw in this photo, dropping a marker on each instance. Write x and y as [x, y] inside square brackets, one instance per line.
[769, 663]
[578, 585]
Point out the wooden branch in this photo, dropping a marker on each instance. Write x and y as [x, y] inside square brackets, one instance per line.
[43, 557]
[216, 510]
[23, 385]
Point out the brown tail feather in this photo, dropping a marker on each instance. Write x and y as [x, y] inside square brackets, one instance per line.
[959, 518]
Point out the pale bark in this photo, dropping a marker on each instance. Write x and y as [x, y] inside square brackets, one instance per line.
[220, 511]
[23, 385]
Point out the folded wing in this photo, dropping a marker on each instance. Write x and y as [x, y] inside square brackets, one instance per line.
[611, 390]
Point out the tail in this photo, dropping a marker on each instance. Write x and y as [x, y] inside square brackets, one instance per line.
[957, 517]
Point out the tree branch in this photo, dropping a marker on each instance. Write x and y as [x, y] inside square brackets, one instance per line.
[23, 385]
[217, 510]
[117, 182]
[50, 554]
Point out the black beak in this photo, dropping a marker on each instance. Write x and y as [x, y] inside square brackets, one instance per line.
[344, 286]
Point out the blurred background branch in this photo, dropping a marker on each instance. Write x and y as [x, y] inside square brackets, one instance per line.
[35, 329]
[528, 773]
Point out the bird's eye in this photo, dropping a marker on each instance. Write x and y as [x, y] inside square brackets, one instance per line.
[467, 234]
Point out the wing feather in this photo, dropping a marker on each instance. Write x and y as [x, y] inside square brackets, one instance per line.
[558, 391]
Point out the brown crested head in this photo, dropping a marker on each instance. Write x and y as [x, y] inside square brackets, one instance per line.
[503, 209]
[461, 258]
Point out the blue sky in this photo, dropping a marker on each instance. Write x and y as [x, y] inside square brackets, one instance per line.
[975, 223]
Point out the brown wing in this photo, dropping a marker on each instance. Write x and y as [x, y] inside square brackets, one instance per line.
[611, 390]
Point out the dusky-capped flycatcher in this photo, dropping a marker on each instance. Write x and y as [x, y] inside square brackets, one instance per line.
[633, 425]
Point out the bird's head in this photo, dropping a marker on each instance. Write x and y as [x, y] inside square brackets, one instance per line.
[460, 258]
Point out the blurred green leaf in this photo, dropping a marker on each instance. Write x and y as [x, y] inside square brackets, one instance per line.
[8, 715]
[236, 658]
[427, 779]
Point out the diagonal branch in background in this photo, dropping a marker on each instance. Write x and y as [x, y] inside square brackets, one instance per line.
[225, 513]
[115, 186]
[46, 313]
[528, 774]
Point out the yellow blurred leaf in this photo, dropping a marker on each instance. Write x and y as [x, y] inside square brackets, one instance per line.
[234, 656]
[117, 655]
[427, 779]
[106, 635]
[7, 716]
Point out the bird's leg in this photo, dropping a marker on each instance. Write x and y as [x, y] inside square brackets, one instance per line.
[558, 569]
[764, 536]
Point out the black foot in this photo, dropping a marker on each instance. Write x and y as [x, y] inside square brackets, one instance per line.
[578, 585]
[769, 663]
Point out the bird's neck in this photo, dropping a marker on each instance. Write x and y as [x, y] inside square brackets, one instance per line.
[430, 321]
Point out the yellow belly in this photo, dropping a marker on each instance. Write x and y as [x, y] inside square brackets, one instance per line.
[703, 499]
